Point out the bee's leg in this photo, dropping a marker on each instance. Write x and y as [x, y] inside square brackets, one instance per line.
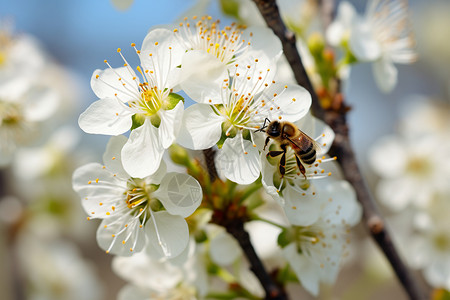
[265, 144]
[274, 153]
[300, 166]
[283, 161]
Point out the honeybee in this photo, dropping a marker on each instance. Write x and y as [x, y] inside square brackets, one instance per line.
[287, 134]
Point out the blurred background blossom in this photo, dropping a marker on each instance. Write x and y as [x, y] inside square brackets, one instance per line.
[48, 249]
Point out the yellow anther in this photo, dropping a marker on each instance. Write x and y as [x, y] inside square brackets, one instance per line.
[133, 44]
[89, 182]
[97, 76]
[96, 180]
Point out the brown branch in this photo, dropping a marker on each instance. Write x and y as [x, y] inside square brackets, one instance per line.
[210, 163]
[269, 11]
[336, 119]
[235, 226]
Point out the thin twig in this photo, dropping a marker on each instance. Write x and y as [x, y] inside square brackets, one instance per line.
[336, 119]
[269, 11]
[210, 163]
[236, 228]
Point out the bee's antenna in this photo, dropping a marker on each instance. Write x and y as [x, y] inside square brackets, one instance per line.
[266, 120]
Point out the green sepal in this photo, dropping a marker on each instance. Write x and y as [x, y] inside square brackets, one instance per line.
[285, 238]
[230, 8]
[155, 120]
[172, 101]
[138, 121]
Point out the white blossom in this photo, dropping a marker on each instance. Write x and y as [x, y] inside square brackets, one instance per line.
[232, 119]
[213, 52]
[134, 211]
[152, 107]
[382, 36]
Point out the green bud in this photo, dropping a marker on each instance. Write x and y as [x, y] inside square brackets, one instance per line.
[200, 236]
[316, 44]
[179, 155]
[230, 8]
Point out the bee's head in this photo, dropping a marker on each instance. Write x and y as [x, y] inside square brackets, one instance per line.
[274, 129]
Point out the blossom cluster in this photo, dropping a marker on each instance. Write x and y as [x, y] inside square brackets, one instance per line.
[164, 219]
[414, 186]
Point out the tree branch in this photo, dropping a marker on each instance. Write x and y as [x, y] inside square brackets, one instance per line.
[271, 14]
[236, 228]
[336, 119]
[210, 163]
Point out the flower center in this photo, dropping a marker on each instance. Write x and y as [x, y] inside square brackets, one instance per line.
[139, 194]
[224, 44]
[150, 101]
[419, 166]
[442, 241]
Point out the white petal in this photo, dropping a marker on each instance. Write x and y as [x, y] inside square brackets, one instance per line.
[202, 76]
[302, 209]
[112, 158]
[98, 189]
[392, 165]
[173, 234]
[140, 270]
[121, 235]
[263, 42]
[341, 25]
[201, 127]
[106, 116]
[180, 194]
[107, 84]
[363, 43]
[235, 164]
[307, 272]
[40, 104]
[170, 124]
[224, 249]
[131, 292]
[167, 54]
[142, 154]
[385, 74]
[291, 103]
[267, 171]
[396, 194]
[341, 203]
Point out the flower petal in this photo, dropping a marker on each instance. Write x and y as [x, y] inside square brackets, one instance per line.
[385, 74]
[105, 116]
[307, 272]
[121, 235]
[140, 270]
[40, 104]
[170, 124]
[363, 43]
[291, 103]
[239, 163]
[98, 189]
[224, 249]
[142, 154]
[169, 237]
[117, 82]
[201, 127]
[180, 194]
[202, 76]
[166, 56]
[112, 158]
[302, 209]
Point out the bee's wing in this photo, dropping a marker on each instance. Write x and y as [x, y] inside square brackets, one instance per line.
[304, 142]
